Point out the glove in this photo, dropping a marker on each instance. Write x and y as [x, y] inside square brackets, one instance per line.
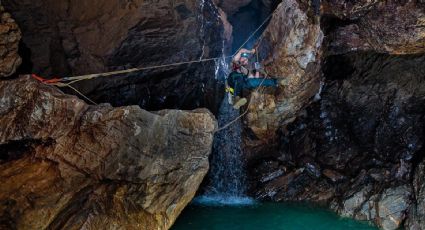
[257, 66]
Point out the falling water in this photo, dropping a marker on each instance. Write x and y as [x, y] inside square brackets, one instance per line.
[227, 175]
[202, 28]
[227, 172]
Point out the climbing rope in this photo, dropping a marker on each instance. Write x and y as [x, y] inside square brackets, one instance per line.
[72, 80]
[262, 81]
[68, 81]
[253, 33]
[242, 114]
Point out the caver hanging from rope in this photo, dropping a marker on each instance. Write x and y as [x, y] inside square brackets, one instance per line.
[244, 76]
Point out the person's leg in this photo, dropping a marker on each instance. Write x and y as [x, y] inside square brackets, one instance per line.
[239, 82]
[252, 83]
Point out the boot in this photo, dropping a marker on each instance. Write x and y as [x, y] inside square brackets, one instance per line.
[239, 103]
[283, 82]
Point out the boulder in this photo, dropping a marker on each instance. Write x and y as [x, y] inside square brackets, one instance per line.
[387, 209]
[67, 165]
[290, 47]
[392, 207]
[10, 35]
[354, 202]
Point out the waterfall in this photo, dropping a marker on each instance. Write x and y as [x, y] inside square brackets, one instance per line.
[227, 176]
[202, 27]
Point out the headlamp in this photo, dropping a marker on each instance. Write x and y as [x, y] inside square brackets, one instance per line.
[245, 55]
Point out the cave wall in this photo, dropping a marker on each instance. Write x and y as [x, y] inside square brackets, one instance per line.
[10, 36]
[395, 27]
[353, 138]
[358, 147]
[290, 50]
[77, 37]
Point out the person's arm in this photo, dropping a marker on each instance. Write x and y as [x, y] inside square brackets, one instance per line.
[237, 57]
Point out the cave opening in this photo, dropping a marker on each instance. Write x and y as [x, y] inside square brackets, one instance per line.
[14, 150]
[247, 19]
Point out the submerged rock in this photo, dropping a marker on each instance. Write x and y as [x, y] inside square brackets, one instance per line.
[67, 165]
[10, 36]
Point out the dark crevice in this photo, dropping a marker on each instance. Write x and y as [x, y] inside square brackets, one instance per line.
[247, 19]
[418, 158]
[337, 68]
[331, 23]
[14, 150]
[25, 54]
[67, 216]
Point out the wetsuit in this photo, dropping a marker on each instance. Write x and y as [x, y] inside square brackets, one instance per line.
[238, 80]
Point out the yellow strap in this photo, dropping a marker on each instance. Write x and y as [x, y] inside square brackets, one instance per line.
[230, 90]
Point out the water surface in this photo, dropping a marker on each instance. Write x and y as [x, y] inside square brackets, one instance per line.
[264, 216]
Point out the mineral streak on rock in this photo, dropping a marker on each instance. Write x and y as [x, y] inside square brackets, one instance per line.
[67, 165]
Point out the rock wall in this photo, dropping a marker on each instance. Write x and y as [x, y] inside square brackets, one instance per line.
[357, 146]
[396, 27]
[291, 50]
[9, 43]
[232, 6]
[68, 38]
[416, 219]
[67, 165]
[356, 149]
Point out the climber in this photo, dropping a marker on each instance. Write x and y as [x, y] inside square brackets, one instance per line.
[244, 77]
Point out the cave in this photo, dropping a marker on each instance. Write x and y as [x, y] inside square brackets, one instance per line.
[162, 147]
[186, 86]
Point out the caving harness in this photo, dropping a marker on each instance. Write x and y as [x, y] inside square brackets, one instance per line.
[238, 71]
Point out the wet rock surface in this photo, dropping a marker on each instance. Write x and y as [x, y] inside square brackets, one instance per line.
[396, 27]
[232, 6]
[353, 138]
[416, 219]
[345, 128]
[356, 148]
[67, 165]
[10, 36]
[290, 49]
[68, 38]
